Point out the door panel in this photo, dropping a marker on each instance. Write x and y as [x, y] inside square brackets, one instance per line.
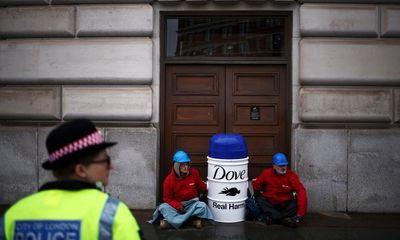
[242, 111]
[193, 113]
[195, 84]
[253, 83]
[201, 100]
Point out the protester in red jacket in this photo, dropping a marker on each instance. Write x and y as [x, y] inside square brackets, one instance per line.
[182, 188]
[280, 194]
[177, 190]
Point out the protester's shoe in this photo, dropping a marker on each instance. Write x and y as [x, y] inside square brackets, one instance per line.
[268, 220]
[290, 222]
[197, 223]
[164, 224]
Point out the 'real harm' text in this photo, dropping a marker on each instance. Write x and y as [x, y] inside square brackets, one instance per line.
[228, 206]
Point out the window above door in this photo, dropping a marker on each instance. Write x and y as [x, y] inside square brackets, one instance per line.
[226, 36]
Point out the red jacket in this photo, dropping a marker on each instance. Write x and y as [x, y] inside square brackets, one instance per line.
[279, 188]
[177, 190]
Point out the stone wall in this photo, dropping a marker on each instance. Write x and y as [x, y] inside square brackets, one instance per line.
[347, 147]
[61, 60]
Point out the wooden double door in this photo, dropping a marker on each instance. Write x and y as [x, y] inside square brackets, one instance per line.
[202, 100]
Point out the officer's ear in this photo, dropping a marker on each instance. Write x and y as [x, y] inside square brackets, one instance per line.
[80, 170]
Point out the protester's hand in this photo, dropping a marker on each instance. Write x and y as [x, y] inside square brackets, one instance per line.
[203, 197]
[181, 210]
[297, 219]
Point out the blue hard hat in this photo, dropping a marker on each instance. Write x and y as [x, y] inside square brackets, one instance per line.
[181, 157]
[279, 159]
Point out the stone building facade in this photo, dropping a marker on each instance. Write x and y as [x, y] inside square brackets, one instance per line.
[101, 59]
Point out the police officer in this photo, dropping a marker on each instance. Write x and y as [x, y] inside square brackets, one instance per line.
[73, 206]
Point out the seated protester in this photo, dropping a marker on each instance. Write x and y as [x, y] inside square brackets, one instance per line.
[73, 206]
[182, 188]
[274, 192]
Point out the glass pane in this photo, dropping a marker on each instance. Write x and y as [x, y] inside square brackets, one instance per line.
[226, 36]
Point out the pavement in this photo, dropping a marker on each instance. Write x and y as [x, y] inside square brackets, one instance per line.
[318, 226]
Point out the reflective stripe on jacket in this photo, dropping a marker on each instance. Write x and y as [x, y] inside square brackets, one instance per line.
[63, 214]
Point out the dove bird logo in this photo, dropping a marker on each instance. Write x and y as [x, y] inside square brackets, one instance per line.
[230, 191]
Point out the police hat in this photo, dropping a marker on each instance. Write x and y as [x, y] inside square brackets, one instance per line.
[71, 141]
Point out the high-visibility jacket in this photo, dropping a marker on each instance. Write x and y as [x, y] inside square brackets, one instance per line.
[69, 214]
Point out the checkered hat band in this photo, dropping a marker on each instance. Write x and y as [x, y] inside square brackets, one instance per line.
[94, 138]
